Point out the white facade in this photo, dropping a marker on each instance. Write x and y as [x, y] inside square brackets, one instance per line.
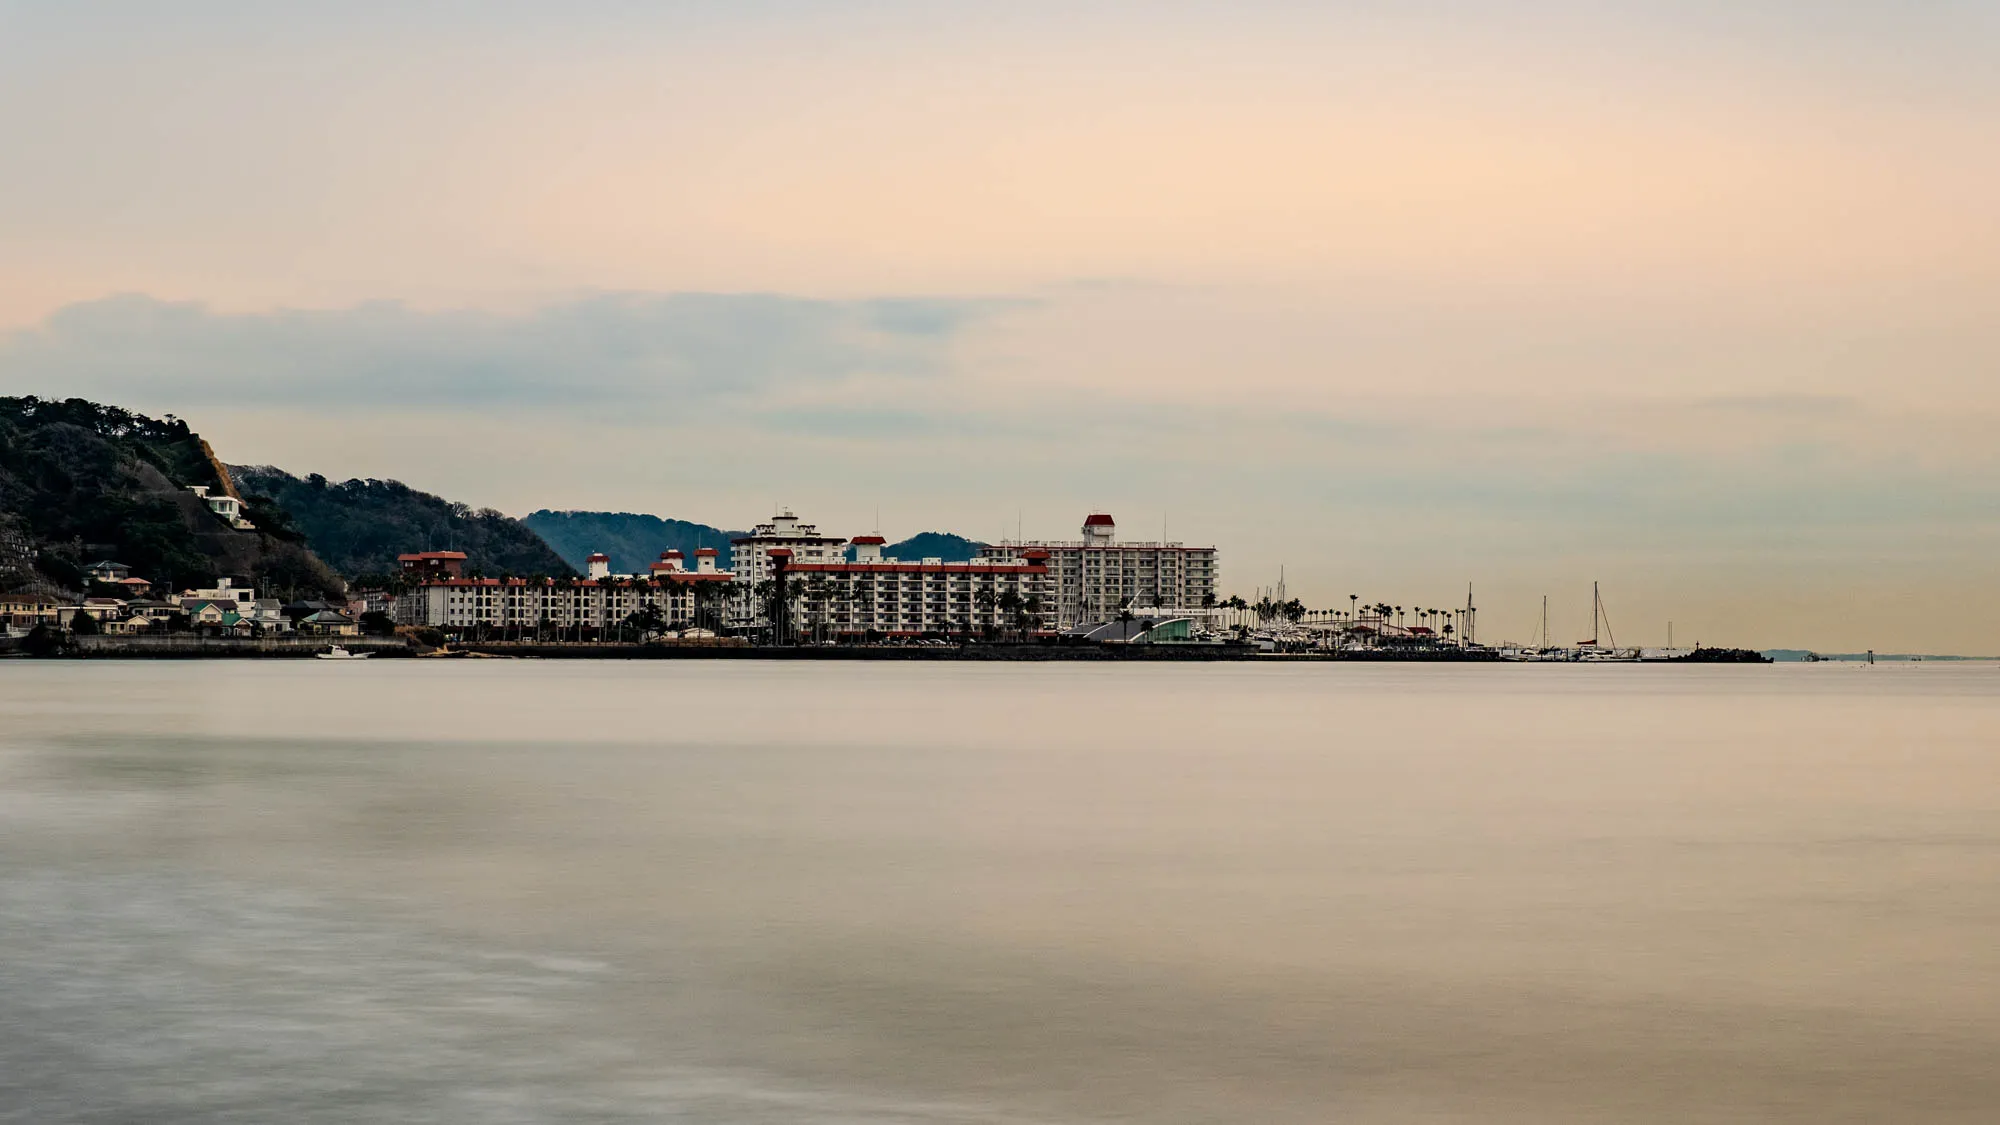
[897, 598]
[224, 590]
[752, 561]
[1091, 579]
[226, 506]
[515, 603]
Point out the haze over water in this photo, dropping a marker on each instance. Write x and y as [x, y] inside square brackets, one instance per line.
[804, 893]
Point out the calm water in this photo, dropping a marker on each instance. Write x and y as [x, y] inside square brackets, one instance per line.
[738, 892]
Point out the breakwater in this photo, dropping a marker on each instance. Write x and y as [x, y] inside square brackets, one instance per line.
[193, 647]
[986, 652]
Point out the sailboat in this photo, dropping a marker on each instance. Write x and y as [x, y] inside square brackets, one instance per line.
[1594, 652]
[1542, 651]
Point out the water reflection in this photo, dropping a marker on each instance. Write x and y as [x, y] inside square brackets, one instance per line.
[741, 892]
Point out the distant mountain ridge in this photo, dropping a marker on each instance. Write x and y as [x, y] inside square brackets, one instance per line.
[932, 545]
[360, 526]
[635, 540]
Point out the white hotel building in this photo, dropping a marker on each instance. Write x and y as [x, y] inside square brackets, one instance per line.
[1091, 579]
[1068, 584]
[874, 594]
[600, 601]
[1073, 583]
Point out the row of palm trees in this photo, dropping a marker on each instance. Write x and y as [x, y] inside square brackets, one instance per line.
[1020, 614]
[1265, 609]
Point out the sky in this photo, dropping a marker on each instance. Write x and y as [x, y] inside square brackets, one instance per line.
[1699, 300]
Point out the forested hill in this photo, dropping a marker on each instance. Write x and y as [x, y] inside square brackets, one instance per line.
[634, 541]
[360, 526]
[932, 545]
[81, 482]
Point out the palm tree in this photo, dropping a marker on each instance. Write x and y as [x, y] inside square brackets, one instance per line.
[1009, 605]
[1031, 611]
[817, 590]
[986, 600]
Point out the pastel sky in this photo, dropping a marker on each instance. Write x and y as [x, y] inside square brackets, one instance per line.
[1698, 299]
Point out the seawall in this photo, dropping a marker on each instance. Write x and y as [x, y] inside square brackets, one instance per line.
[206, 647]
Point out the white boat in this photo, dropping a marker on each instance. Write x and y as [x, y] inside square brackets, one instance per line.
[335, 652]
[1601, 649]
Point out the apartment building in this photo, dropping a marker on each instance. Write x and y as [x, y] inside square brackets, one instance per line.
[1091, 579]
[588, 603]
[895, 598]
[752, 559]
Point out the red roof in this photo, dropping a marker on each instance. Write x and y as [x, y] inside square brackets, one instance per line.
[670, 554]
[1100, 520]
[420, 556]
[868, 540]
[779, 553]
[704, 550]
[598, 558]
[1034, 554]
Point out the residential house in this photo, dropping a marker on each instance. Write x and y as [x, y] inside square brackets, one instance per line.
[228, 507]
[433, 564]
[267, 614]
[20, 613]
[108, 572]
[328, 623]
[224, 590]
[103, 612]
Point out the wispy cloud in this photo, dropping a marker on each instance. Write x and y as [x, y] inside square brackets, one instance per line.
[630, 350]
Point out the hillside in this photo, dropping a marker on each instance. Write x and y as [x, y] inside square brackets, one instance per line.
[360, 526]
[632, 540]
[931, 545]
[80, 481]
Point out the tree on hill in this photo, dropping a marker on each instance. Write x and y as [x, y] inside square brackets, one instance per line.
[80, 480]
[933, 545]
[633, 540]
[360, 526]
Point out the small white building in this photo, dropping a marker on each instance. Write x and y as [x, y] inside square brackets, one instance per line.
[224, 590]
[228, 507]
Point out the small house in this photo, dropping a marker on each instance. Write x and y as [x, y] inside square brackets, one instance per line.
[328, 623]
